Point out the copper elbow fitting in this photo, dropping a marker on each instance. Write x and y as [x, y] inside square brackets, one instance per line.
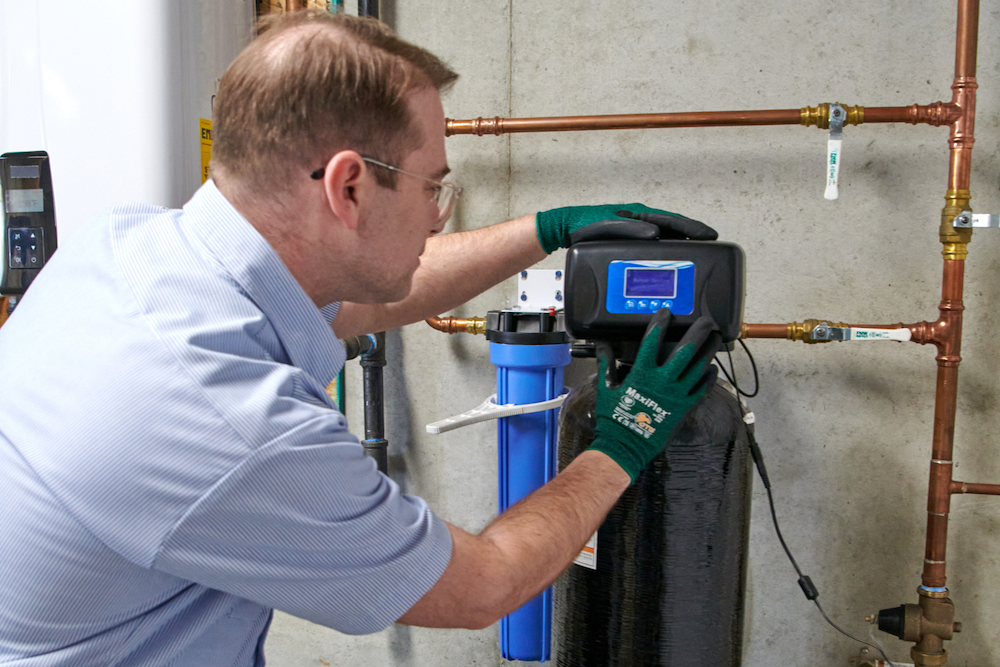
[451, 325]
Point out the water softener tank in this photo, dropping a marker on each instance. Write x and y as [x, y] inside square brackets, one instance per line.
[669, 579]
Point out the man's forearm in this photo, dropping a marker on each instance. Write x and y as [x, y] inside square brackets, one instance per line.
[541, 535]
[454, 268]
[524, 549]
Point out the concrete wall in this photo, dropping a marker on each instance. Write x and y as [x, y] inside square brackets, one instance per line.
[845, 427]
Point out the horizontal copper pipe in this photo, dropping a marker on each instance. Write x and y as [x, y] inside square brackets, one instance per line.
[497, 125]
[938, 113]
[764, 331]
[968, 487]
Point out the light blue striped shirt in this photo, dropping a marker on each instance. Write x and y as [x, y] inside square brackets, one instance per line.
[171, 467]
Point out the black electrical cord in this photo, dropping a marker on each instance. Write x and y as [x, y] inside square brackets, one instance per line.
[731, 376]
[805, 583]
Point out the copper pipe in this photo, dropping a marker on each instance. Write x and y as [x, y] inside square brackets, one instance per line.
[946, 335]
[765, 331]
[947, 332]
[452, 325]
[968, 487]
[938, 113]
[498, 126]
[3, 310]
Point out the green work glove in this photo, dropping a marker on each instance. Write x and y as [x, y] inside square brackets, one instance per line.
[555, 226]
[637, 416]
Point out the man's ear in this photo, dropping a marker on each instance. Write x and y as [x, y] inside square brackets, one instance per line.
[341, 181]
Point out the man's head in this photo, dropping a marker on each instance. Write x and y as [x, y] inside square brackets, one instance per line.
[312, 84]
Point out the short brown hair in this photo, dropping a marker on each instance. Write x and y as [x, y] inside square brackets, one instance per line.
[313, 83]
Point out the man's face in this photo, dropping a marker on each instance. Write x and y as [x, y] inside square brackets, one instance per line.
[396, 229]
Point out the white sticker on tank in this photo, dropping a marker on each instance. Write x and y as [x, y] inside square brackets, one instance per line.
[588, 557]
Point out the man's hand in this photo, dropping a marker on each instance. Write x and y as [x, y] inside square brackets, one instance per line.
[555, 226]
[637, 416]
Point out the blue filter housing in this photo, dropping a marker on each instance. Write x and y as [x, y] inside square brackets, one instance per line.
[530, 352]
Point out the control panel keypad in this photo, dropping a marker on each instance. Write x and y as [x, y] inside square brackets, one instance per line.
[24, 247]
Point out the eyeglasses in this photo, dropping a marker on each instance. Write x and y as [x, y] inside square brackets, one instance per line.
[446, 193]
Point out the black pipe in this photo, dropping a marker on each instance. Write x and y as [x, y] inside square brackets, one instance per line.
[368, 8]
[358, 345]
[372, 363]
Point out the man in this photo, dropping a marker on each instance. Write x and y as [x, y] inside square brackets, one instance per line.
[172, 466]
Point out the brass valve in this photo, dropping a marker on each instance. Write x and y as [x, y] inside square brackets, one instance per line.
[820, 116]
[803, 330]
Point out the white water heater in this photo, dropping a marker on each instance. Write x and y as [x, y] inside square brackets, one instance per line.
[119, 94]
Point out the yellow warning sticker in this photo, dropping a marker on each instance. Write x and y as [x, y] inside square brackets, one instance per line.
[206, 147]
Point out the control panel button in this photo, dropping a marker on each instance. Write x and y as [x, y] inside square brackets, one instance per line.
[24, 248]
[643, 304]
[655, 305]
[630, 304]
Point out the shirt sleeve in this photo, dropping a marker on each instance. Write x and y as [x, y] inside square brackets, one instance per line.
[307, 525]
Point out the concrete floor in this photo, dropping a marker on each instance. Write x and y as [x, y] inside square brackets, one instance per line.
[846, 427]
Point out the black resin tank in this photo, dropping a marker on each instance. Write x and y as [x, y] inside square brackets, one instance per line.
[670, 577]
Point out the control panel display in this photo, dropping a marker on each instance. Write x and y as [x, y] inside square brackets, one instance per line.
[29, 234]
[25, 201]
[643, 287]
[661, 282]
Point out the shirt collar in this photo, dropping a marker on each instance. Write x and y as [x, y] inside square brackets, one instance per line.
[250, 260]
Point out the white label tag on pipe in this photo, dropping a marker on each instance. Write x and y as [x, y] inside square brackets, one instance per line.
[880, 334]
[832, 168]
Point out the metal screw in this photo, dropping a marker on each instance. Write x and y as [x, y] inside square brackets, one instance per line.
[524, 275]
[558, 275]
[524, 296]
[558, 296]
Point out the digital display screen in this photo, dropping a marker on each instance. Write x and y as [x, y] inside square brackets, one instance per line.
[653, 283]
[24, 171]
[25, 201]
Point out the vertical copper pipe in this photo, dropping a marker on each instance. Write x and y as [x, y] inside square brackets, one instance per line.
[947, 336]
[947, 331]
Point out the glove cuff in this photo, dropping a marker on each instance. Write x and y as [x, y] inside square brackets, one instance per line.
[550, 231]
[621, 454]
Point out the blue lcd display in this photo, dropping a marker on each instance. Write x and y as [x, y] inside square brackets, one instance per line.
[641, 287]
[653, 283]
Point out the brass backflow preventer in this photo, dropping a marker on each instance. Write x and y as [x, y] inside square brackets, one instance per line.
[928, 623]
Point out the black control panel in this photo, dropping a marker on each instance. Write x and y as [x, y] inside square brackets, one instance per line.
[29, 219]
[613, 287]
